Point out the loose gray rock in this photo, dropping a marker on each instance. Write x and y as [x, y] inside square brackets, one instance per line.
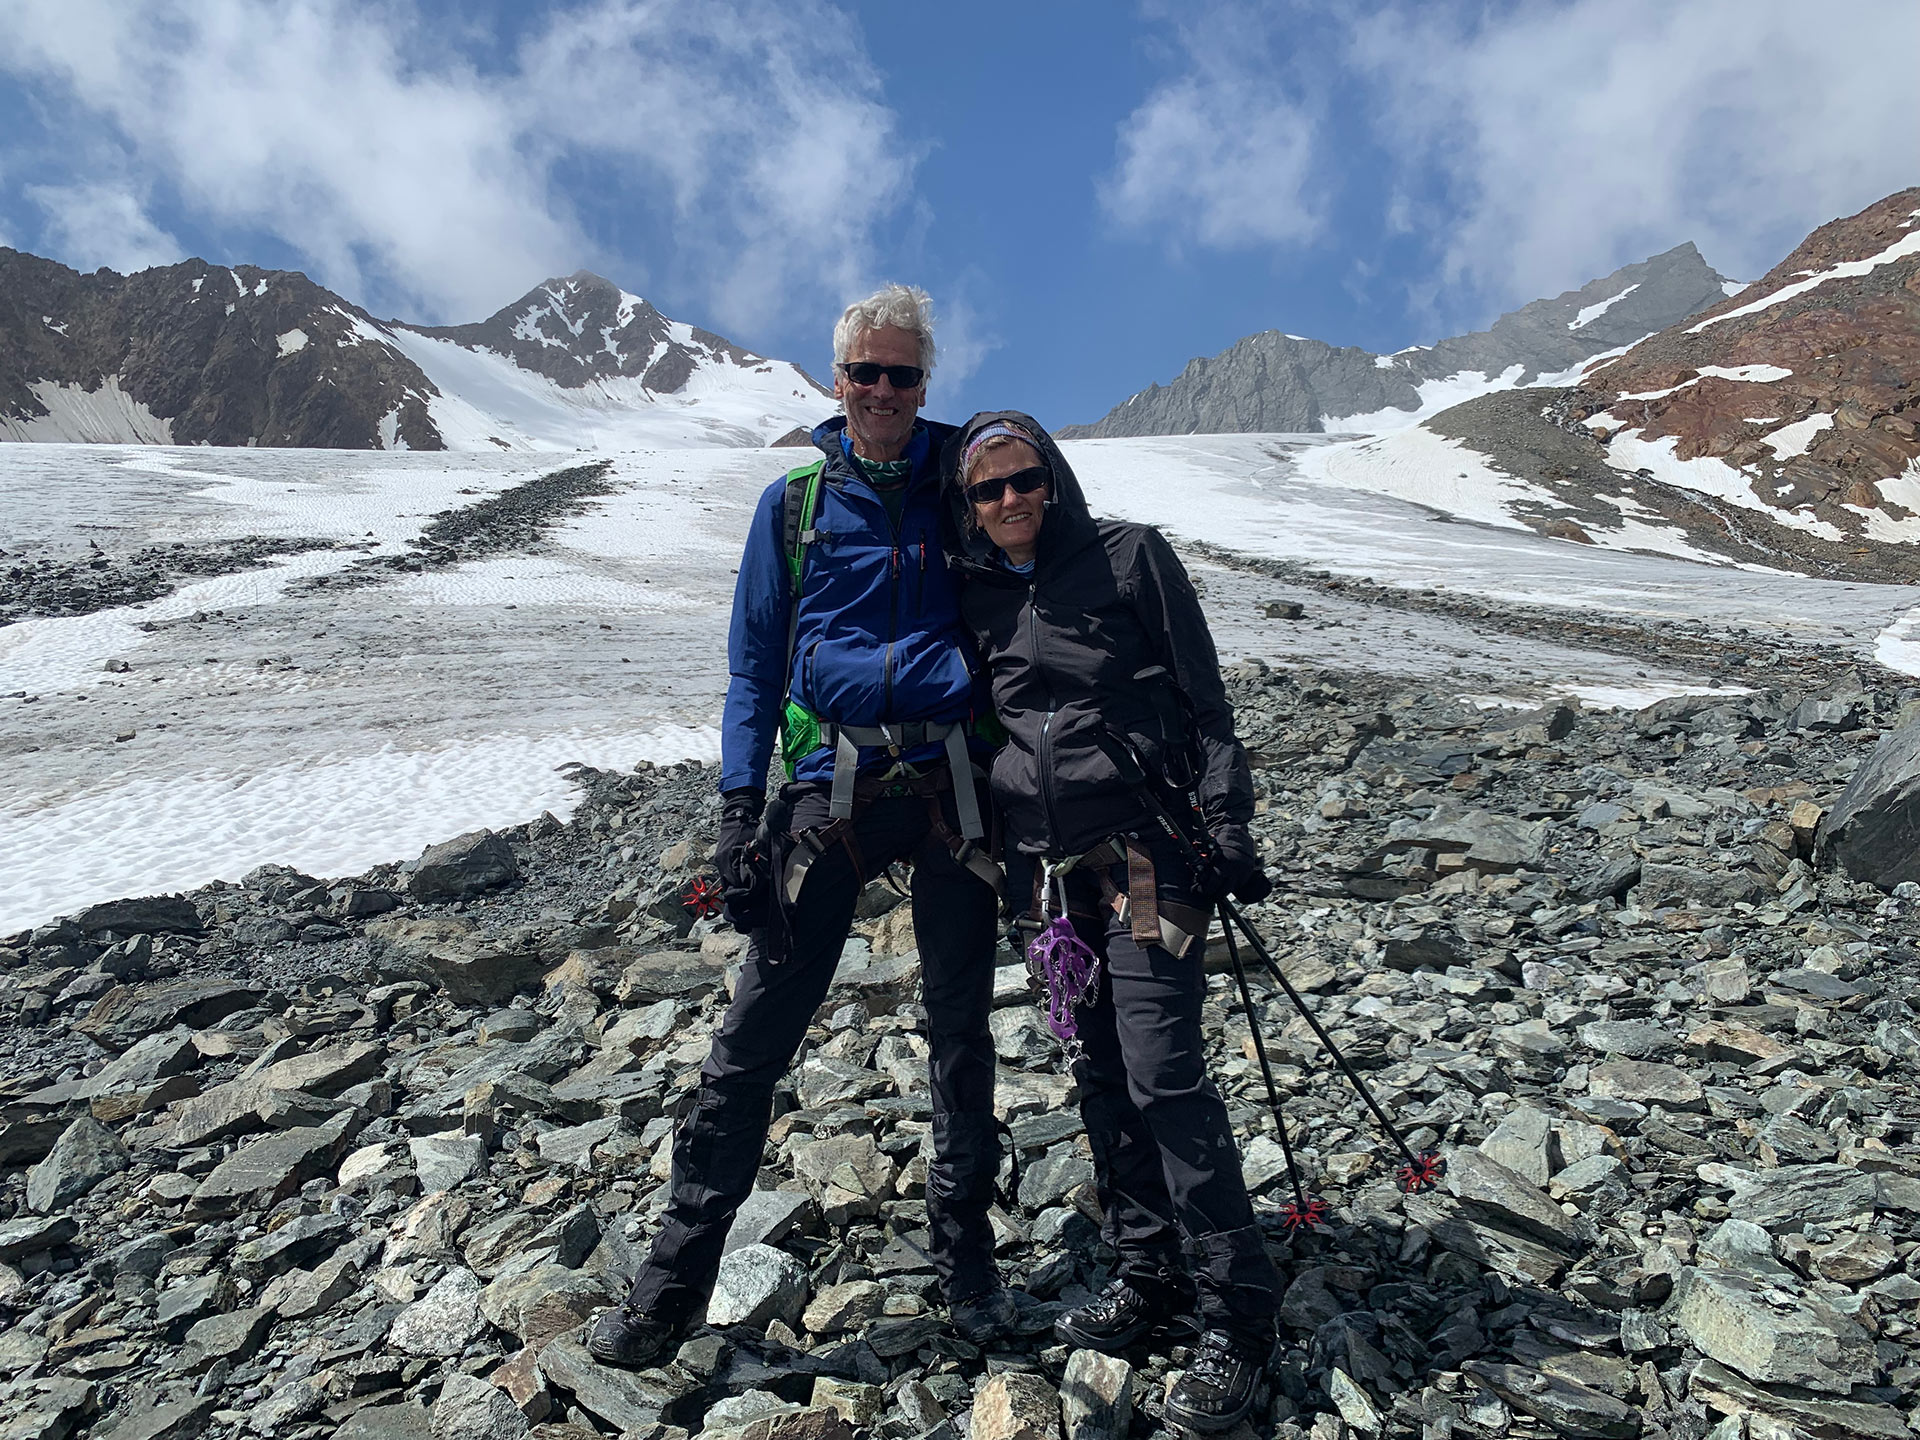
[1096, 1397]
[470, 1408]
[1769, 1335]
[758, 1283]
[85, 1154]
[1873, 829]
[444, 1162]
[444, 1320]
[465, 865]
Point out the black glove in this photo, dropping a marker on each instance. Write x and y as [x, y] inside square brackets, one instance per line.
[745, 885]
[1237, 870]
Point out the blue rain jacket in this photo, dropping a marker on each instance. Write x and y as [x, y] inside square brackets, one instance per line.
[880, 636]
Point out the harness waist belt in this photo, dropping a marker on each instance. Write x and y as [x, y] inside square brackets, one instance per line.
[897, 739]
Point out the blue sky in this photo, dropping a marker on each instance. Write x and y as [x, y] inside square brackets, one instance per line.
[1093, 192]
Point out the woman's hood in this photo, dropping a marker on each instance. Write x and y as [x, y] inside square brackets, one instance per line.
[1068, 524]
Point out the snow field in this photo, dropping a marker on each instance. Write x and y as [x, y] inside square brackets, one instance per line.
[326, 817]
[486, 401]
[334, 728]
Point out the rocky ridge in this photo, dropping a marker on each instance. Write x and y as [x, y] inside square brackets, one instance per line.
[1288, 383]
[1803, 382]
[1777, 427]
[196, 353]
[304, 1158]
[585, 328]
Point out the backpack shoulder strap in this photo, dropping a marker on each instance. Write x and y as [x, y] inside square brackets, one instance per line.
[799, 505]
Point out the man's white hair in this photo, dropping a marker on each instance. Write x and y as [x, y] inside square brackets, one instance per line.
[891, 307]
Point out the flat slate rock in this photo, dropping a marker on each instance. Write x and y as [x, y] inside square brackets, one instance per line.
[146, 915]
[622, 1398]
[386, 1422]
[127, 1013]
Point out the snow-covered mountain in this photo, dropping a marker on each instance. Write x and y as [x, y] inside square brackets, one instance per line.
[1277, 382]
[1778, 428]
[204, 354]
[1801, 388]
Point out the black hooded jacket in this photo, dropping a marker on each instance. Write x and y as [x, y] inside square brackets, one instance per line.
[1070, 649]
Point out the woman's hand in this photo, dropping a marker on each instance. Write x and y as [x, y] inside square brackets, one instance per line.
[1237, 870]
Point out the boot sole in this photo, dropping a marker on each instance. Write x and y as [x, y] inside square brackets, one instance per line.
[1209, 1424]
[1119, 1344]
[646, 1358]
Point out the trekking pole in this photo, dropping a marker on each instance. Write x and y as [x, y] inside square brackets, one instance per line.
[1422, 1171]
[1303, 1211]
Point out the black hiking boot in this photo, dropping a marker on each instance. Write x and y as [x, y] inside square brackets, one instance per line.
[986, 1318]
[632, 1340]
[1221, 1383]
[1125, 1313]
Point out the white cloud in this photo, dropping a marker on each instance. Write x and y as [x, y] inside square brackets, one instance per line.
[1533, 145]
[356, 134]
[776, 175]
[964, 336]
[1578, 136]
[1221, 154]
[103, 224]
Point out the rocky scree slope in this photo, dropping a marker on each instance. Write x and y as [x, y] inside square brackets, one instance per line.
[195, 353]
[304, 1158]
[1277, 382]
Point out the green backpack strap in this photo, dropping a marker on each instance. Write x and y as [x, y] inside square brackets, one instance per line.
[800, 504]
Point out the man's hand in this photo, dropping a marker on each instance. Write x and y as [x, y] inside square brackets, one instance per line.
[1237, 870]
[745, 885]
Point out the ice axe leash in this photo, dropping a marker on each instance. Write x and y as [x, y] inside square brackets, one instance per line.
[1421, 1171]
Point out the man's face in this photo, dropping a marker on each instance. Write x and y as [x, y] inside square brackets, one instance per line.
[879, 416]
[1011, 520]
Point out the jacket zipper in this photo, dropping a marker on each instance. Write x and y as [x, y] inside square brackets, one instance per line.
[886, 681]
[1045, 755]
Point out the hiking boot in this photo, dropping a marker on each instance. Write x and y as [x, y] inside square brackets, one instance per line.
[1221, 1383]
[987, 1317]
[631, 1340]
[1122, 1315]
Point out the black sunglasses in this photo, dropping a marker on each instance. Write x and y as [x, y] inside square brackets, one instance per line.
[902, 377]
[1024, 482]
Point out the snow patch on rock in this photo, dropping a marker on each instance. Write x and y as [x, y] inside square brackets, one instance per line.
[75, 415]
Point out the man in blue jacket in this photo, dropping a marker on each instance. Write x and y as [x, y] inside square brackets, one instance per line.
[869, 679]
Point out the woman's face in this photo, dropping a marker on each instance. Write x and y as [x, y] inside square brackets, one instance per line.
[1011, 520]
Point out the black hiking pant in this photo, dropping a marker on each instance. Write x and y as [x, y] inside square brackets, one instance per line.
[1165, 1163]
[717, 1148]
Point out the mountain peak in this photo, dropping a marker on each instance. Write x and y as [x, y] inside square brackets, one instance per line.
[1277, 382]
[237, 355]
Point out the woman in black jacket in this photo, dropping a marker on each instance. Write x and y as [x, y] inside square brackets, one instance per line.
[1099, 653]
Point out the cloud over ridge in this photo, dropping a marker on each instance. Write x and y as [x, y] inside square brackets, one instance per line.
[1528, 146]
[407, 172]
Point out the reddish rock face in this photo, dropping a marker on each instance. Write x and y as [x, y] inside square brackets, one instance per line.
[1852, 344]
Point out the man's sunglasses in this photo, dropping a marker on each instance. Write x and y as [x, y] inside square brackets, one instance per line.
[1024, 482]
[902, 377]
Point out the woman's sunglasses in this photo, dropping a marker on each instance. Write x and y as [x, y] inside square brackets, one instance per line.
[1024, 482]
[901, 377]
